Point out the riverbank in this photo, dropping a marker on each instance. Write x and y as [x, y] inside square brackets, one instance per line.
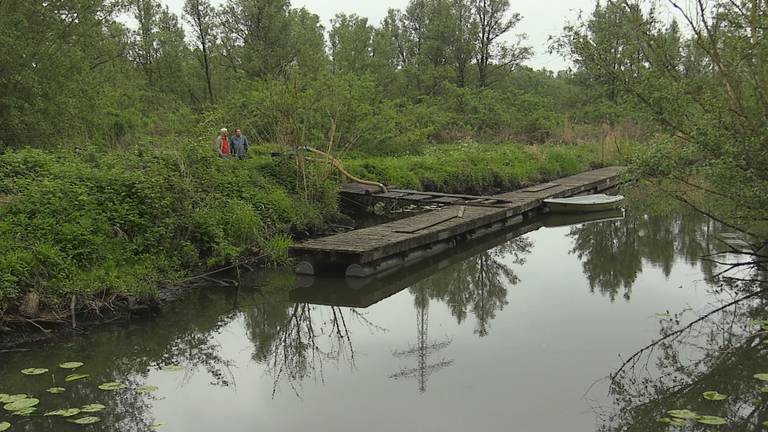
[95, 233]
[472, 168]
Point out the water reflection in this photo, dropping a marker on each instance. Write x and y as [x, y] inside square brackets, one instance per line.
[719, 351]
[613, 253]
[478, 284]
[424, 348]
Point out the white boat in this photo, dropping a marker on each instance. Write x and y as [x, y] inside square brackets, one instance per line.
[585, 203]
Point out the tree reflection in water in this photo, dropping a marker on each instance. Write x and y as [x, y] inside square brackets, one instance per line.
[295, 340]
[721, 351]
[478, 284]
[613, 252]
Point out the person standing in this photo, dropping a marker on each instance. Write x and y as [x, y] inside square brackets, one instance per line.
[222, 144]
[240, 144]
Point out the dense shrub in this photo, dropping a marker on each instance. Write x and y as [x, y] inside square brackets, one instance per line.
[123, 222]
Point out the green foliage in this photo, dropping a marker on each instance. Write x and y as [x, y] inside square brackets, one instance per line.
[122, 222]
[475, 168]
[704, 84]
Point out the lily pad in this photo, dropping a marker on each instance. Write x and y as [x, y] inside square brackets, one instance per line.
[21, 404]
[761, 376]
[75, 377]
[6, 399]
[86, 420]
[25, 412]
[147, 389]
[112, 386]
[714, 396]
[4, 426]
[673, 421]
[34, 371]
[56, 390]
[63, 412]
[71, 365]
[711, 420]
[92, 408]
[682, 414]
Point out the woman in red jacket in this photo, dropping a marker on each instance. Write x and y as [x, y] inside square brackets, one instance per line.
[222, 144]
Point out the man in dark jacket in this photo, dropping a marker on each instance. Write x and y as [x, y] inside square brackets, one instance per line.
[239, 144]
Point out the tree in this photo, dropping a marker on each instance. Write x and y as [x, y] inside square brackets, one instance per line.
[257, 36]
[200, 15]
[350, 41]
[710, 91]
[146, 13]
[463, 37]
[307, 42]
[493, 23]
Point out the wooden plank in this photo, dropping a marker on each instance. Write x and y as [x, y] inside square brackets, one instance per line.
[539, 187]
[415, 197]
[391, 195]
[424, 226]
[446, 200]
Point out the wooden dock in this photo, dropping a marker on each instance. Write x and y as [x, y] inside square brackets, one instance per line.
[365, 292]
[368, 251]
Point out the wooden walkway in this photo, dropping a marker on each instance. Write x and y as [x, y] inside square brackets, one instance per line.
[364, 292]
[365, 252]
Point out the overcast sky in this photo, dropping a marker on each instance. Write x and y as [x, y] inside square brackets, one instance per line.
[541, 18]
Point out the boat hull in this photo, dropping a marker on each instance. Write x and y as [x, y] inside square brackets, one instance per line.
[593, 203]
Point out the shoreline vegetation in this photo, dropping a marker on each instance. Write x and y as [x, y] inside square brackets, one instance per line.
[97, 233]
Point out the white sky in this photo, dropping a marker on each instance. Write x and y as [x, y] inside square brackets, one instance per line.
[541, 18]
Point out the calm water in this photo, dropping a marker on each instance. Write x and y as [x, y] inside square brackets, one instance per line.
[516, 333]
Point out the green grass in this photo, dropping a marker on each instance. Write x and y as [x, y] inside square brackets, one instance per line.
[481, 168]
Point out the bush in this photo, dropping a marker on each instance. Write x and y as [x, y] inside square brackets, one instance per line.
[121, 223]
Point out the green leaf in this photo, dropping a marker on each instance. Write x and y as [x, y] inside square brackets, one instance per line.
[112, 386]
[147, 389]
[761, 376]
[56, 390]
[75, 377]
[4, 426]
[714, 396]
[673, 421]
[86, 420]
[156, 426]
[24, 412]
[683, 414]
[34, 371]
[63, 412]
[764, 389]
[711, 420]
[92, 408]
[21, 404]
[4, 398]
[71, 365]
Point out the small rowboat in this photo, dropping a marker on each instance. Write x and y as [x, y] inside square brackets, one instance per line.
[586, 203]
